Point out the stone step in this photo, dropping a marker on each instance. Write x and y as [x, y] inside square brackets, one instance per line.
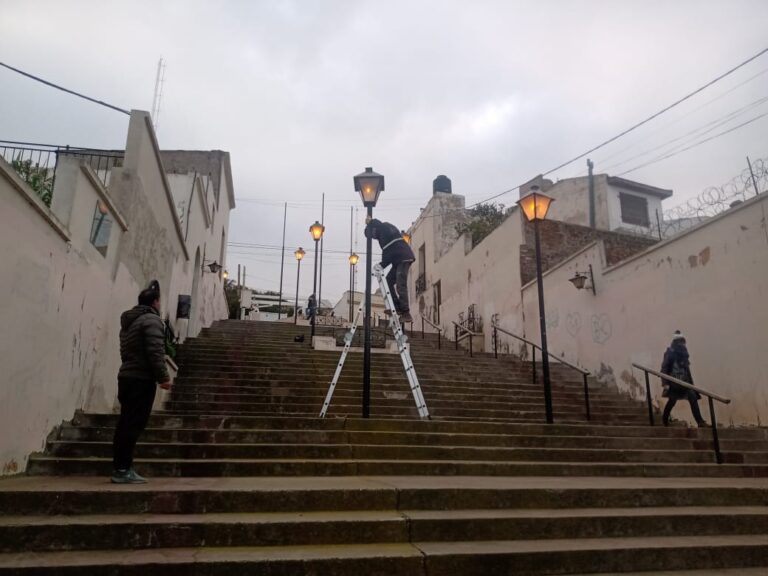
[136, 531]
[222, 451]
[530, 557]
[68, 496]
[213, 436]
[40, 464]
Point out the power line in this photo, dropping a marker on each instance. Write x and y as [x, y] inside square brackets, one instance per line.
[670, 155]
[52, 85]
[631, 128]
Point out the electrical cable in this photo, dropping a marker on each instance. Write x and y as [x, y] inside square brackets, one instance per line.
[52, 85]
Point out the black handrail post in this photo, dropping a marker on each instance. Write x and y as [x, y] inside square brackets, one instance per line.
[534, 363]
[715, 438]
[422, 327]
[586, 396]
[456, 336]
[648, 398]
[470, 345]
[495, 342]
[439, 339]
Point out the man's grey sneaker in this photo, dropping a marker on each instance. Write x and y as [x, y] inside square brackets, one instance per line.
[127, 477]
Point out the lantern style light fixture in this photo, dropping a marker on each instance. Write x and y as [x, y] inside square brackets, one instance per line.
[535, 206]
[406, 236]
[369, 184]
[579, 280]
[299, 253]
[212, 267]
[316, 230]
[225, 275]
[354, 259]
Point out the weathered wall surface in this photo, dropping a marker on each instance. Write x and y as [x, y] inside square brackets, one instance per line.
[59, 349]
[711, 283]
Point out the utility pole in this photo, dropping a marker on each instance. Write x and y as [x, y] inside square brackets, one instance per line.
[320, 286]
[592, 218]
[752, 172]
[159, 82]
[282, 265]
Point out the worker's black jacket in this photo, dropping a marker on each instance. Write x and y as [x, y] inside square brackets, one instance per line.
[393, 248]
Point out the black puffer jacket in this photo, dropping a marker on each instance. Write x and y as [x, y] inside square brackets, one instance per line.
[394, 248]
[142, 345]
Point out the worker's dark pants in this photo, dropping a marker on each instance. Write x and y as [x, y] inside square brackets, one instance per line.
[692, 398]
[397, 279]
[136, 398]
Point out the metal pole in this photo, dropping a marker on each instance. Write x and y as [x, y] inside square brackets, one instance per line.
[351, 266]
[282, 265]
[238, 278]
[314, 293]
[470, 345]
[422, 327]
[534, 363]
[543, 328]
[754, 182]
[296, 304]
[367, 322]
[715, 439]
[658, 224]
[320, 288]
[495, 342]
[648, 398]
[586, 397]
[592, 218]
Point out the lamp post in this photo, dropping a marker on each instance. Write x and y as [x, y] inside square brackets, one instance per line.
[299, 255]
[353, 259]
[316, 230]
[369, 184]
[535, 206]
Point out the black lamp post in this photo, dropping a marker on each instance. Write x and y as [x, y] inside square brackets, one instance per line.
[316, 230]
[535, 206]
[353, 260]
[369, 184]
[299, 255]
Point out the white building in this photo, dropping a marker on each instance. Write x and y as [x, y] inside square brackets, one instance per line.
[342, 308]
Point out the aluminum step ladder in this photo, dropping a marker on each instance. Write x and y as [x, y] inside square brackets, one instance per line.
[402, 346]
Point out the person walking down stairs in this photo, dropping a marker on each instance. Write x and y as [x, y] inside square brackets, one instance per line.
[677, 364]
[142, 351]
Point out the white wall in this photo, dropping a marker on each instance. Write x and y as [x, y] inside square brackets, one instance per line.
[710, 282]
[614, 211]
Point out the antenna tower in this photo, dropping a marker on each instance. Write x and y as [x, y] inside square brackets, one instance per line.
[159, 82]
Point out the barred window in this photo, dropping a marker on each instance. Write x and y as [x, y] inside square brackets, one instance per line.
[634, 210]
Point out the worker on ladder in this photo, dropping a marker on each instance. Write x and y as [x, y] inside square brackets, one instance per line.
[396, 251]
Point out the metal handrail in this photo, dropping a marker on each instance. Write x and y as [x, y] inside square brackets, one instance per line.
[711, 397]
[467, 333]
[584, 373]
[435, 326]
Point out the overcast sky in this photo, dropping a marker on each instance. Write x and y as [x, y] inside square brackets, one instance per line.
[306, 93]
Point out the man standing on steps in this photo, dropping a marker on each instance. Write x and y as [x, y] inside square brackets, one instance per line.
[142, 350]
[396, 251]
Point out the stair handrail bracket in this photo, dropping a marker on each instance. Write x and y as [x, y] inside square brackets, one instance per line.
[711, 397]
[461, 332]
[434, 326]
[584, 373]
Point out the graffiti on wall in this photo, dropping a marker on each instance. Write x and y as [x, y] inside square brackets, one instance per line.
[602, 330]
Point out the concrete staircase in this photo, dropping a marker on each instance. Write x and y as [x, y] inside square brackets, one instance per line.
[245, 479]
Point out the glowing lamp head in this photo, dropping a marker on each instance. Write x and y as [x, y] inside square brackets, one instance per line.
[299, 253]
[406, 236]
[369, 184]
[316, 230]
[535, 204]
[354, 259]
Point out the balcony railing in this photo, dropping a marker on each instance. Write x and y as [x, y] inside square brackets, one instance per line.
[36, 163]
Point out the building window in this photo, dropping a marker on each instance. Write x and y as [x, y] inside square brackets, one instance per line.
[101, 227]
[634, 210]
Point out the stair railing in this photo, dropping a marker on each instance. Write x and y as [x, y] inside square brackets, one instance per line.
[461, 332]
[711, 396]
[435, 326]
[584, 373]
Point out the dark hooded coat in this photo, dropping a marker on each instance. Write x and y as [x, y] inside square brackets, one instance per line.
[393, 248]
[142, 345]
[677, 363]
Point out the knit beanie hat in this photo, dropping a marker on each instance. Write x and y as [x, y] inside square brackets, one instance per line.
[678, 335]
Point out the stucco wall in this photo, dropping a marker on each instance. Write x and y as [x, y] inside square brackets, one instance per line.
[59, 348]
[711, 283]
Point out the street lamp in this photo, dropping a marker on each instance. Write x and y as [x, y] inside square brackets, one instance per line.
[579, 280]
[316, 230]
[369, 184]
[535, 206]
[299, 255]
[353, 259]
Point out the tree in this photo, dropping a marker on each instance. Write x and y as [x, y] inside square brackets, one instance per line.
[483, 220]
[40, 179]
[233, 298]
